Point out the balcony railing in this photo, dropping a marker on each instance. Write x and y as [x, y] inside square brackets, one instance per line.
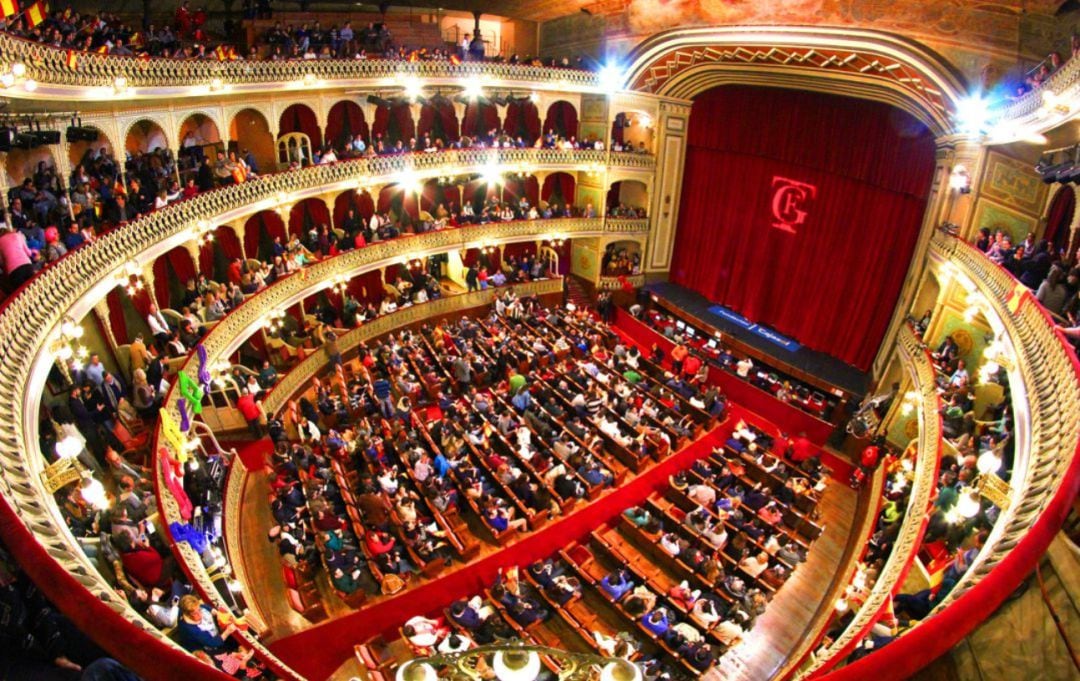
[1061, 82]
[49, 66]
[917, 363]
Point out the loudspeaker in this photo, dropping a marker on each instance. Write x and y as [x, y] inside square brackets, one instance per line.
[77, 133]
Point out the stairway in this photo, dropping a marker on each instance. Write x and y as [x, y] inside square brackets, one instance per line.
[577, 292]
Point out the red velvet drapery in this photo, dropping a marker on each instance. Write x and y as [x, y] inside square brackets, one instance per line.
[1060, 217]
[869, 167]
[259, 233]
[516, 187]
[215, 256]
[307, 215]
[359, 201]
[522, 120]
[395, 199]
[480, 117]
[300, 118]
[561, 185]
[393, 124]
[171, 272]
[562, 119]
[434, 194]
[437, 118]
[346, 121]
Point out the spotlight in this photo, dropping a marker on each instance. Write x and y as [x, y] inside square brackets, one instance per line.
[77, 133]
[973, 114]
[378, 101]
[472, 89]
[412, 87]
[611, 78]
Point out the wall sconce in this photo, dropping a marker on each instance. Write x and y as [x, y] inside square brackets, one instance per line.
[274, 322]
[340, 284]
[130, 279]
[67, 347]
[960, 180]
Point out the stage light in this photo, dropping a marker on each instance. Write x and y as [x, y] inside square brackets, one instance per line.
[18, 69]
[973, 114]
[988, 462]
[408, 181]
[534, 97]
[30, 85]
[968, 505]
[472, 89]
[7, 79]
[120, 85]
[959, 179]
[491, 174]
[412, 87]
[611, 78]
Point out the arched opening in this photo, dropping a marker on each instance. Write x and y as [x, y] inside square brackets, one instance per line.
[440, 199]
[30, 170]
[1059, 219]
[361, 205]
[171, 274]
[300, 118]
[249, 131]
[522, 120]
[438, 120]
[632, 131]
[393, 124]
[621, 258]
[87, 152]
[401, 204]
[868, 166]
[344, 123]
[199, 139]
[562, 120]
[216, 255]
[260, 232]
[516, 188]
[479, 193]
[306, 218]
[627, 199]
[559, 189]
[481, 116]
[145, 136]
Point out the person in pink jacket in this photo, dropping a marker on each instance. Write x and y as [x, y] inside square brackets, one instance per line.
[16, 257]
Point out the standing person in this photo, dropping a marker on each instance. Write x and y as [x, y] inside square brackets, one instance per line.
[252, 413]
[472, 278]
[16, 257]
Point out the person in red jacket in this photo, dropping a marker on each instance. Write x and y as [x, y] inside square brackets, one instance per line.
[800, 448]
[252, 413]
[691, 364]
[678, 356]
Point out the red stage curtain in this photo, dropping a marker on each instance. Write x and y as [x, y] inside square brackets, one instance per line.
[300, 118]
[359, 201]
[479, 118]
[479, 192]
[346, 121]
[562, 118]
[519, 250]
[435, 193]
[394, 199]
[1060, 218]
[438, 119]
[522, 120]
[306, 216]
[871, 166]
[558, 188]
[171, 273]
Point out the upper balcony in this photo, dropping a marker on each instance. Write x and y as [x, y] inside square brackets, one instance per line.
[37, 71]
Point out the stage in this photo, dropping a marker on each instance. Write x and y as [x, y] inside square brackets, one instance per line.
[819, 364]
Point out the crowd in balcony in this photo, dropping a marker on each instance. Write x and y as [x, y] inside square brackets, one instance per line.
[1034, 78]
[187, 37]
[1053, 275]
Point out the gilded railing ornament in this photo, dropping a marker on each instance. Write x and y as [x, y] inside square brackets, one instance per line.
[917, 364]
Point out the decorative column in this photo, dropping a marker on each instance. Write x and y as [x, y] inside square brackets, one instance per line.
[671, 131]
[414, 111]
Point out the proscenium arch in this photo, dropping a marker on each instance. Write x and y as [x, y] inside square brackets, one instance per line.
[867, 64]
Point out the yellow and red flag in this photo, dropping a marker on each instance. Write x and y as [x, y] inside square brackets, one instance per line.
[9, 7]
[72, 59]
[35, 13]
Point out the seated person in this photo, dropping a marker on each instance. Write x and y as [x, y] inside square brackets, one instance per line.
[198, 628]
[423, 632]
[617, 583]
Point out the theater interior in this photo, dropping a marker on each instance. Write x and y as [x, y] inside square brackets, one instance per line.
[594, 339]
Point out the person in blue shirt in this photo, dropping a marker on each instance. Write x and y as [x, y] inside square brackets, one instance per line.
[656, 621]
[197, 629]
[616, 584]
[441, 465]
[381, 386]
